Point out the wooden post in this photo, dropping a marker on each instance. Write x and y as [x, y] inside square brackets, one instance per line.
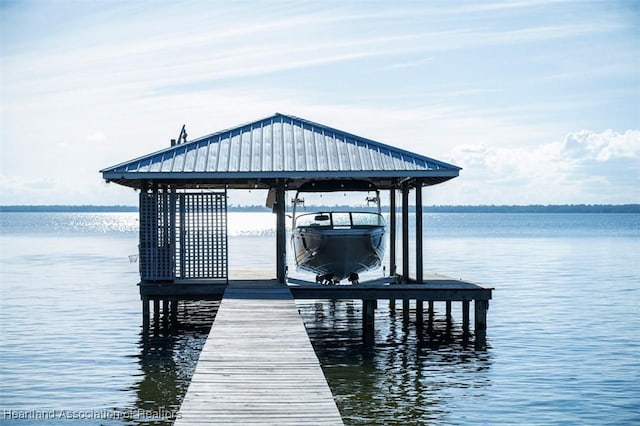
[392, 242]
[465, 316]
[165, 312]
[405, 232]
[419, 314]
[419, 255]
[448, 308]
[480, 326]
[392, 232]
[156, 311]
[405, 309]
[145, 313]
[368, 320]
[431, 315]
[481, 308]
[174, 311]
[281, 234]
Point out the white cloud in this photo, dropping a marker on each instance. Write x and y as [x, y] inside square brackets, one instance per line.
[585, 167]
[587, 145]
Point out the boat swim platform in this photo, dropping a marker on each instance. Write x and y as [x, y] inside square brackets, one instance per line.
[258, 365]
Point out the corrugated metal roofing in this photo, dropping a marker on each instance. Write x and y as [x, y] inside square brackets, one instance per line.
[279, 146]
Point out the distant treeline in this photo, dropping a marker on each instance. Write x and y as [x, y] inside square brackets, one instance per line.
[538, 208]
[534, 208]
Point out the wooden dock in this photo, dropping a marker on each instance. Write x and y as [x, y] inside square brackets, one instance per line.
[258, 365]
[433, 288]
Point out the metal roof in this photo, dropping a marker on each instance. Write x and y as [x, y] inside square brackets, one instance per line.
[280, 147]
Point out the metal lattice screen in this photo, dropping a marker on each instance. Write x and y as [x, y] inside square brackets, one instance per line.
[183, 236]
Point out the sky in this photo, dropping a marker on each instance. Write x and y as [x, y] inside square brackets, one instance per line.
[537, 101]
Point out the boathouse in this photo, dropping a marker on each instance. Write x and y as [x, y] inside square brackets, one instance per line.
[183, 250]
[183, 188]
[258, 336]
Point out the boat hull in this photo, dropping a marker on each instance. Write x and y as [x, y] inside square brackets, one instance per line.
[338, 252]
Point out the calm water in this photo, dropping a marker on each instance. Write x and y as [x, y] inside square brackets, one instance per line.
[563, 341]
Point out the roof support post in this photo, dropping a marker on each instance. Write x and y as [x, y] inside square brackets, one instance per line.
[281, 234]
[405, 231]
[419, 259]
[173, 236]
[392, 232]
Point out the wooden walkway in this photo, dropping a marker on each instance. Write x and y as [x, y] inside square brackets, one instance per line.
[434, 287]
[258, 365]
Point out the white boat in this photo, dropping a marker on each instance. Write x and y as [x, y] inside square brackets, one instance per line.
[338, 244]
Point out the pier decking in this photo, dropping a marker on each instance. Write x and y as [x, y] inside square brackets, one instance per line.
[258, 365]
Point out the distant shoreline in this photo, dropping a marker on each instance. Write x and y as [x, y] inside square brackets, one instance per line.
[533, 208]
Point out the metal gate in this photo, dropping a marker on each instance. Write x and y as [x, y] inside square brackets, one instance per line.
[183, 236]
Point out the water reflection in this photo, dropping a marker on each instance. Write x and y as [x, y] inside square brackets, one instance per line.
[169, 351]
[410, 375]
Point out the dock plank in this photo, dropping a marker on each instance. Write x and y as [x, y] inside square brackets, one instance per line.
[434, 288]
[257, 365]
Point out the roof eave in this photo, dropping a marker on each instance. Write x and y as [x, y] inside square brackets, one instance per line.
[242, 179]
[232, 176]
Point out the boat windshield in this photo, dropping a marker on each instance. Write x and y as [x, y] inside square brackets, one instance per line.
[364, 218]
[340, 219]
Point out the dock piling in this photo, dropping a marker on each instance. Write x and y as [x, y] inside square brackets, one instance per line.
[368, 320]
[406, 308]
[156, 310]
[419, 312]
[481, 308]
[465, 316]
[480, 323]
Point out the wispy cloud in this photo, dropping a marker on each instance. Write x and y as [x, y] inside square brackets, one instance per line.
[444, 81]
[209, 52]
